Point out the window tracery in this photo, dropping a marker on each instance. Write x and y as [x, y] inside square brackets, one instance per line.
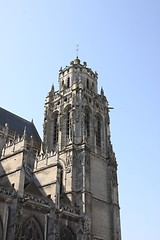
[67, 234]
[31, 230]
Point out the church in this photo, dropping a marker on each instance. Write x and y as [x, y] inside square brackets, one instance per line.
[63, 187]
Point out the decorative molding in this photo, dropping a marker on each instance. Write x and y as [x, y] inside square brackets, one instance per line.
[69, 209]
[30, 198]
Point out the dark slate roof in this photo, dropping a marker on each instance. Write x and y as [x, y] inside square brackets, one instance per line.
[17, 124]
[33, 189]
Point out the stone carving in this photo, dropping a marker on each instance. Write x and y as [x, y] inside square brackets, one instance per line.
[87, 225]
[35, 199]
[70, 209]
[68, 164]
[77, 116]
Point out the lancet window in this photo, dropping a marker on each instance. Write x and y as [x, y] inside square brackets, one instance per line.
[68, 124]
[98, 132]
[60, 168]
[68, 82]
[87, 122]
[55, 128]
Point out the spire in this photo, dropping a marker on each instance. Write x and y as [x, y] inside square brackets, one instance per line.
[6, 129]
[31, 141]
[52, 88]
[51, 92]
[25, 133]
[102, 91]
[41, 151]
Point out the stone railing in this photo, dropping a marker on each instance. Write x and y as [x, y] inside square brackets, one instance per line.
[7, 192]
[33, 198]
[69, 209]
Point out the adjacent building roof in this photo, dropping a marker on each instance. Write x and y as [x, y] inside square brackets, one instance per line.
[17, 124]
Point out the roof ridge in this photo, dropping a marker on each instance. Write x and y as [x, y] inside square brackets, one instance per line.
[17, 124]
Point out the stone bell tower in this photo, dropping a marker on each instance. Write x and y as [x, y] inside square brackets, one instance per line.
[76, 127]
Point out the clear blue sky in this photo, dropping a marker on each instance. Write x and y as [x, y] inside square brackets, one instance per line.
[121, 41]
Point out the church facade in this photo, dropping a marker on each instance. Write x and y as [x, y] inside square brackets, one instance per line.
[65, 186]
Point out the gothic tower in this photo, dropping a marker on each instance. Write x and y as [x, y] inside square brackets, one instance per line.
[76, 127]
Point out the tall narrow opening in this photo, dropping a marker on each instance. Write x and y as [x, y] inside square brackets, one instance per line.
[68, 82]
[87, 83]
[98, 133]
[87, 122]
[55, 128]
[61, 179]
[68, 124]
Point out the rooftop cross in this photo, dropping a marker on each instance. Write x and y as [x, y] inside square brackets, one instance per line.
[77, 49]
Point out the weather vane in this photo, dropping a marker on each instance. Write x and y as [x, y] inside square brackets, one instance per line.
[77, 49]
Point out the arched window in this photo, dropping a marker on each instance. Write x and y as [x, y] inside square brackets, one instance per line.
[68, 82]
[98, 132]
[87, 122]
[67, 234]
[55, 128]
[31, 230]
